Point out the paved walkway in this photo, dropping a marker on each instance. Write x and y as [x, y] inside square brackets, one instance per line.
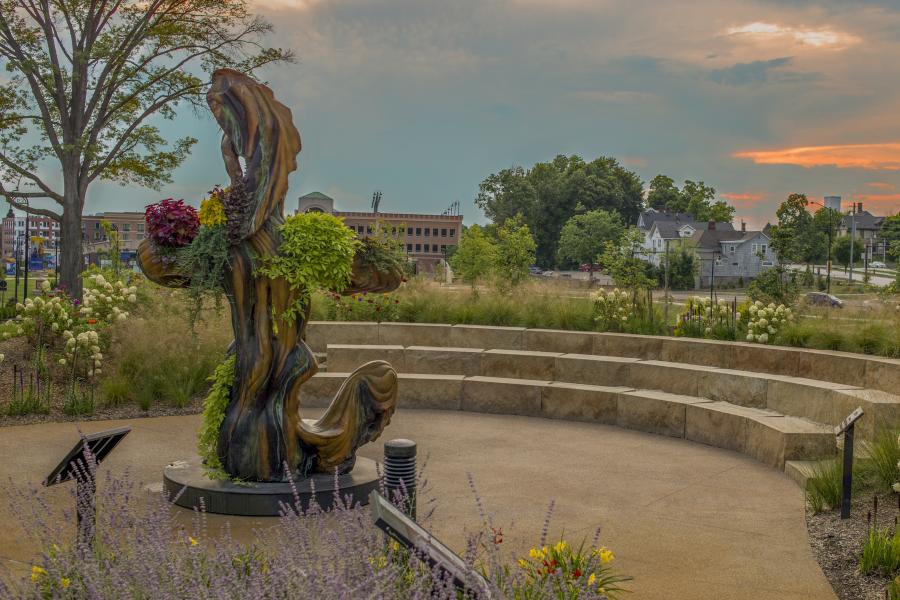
[687, 520]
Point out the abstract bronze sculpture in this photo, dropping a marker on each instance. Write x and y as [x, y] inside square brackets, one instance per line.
[262, 432]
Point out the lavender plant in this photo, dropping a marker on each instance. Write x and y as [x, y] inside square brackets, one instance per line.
[143, 551]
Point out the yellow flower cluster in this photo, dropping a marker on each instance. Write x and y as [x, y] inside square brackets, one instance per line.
[212, 212]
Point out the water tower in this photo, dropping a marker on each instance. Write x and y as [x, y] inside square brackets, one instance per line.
[833, 202]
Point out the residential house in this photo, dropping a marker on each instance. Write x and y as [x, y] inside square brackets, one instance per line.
[734, 257]
[867, 227]
[664, 230]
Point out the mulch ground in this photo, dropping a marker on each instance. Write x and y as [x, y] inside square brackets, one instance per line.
[837, 543]
[17, 351]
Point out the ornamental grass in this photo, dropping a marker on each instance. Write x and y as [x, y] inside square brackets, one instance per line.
[146, 548]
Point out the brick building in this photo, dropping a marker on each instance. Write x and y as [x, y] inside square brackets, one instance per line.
[43, 233]
[426, 238]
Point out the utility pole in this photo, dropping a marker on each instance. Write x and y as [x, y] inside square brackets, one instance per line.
[666, 282]
[852, 237]
[27, 234]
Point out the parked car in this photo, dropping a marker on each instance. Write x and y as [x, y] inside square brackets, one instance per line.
[548, 273]
[535, 270]
[823, 299]
[877, 264]
[585, 267]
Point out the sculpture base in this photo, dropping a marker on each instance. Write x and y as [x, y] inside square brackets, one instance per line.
[187, 484]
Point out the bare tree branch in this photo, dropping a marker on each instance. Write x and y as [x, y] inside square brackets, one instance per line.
[29, 209]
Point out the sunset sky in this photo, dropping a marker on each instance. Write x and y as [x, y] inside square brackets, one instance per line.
[423, 99]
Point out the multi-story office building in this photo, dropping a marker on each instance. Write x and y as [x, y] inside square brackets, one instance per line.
[426, 238]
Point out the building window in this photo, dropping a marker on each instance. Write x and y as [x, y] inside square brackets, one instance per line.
[452, 233]
[409, 247]
[418, 247]
[443, 248]
[141, 228]
[409, 231]
[126, 227]
[427, 232]
[434, 248]
[731, 249]
[124, 237]
[418, 231]
[443, 233]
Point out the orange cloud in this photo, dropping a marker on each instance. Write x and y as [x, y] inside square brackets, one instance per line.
[819, 38]
[879, 204]
[881, 185]
[851, 156]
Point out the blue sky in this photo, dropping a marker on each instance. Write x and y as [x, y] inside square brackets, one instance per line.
[424, 99]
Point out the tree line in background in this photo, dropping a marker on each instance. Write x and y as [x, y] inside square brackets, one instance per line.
[603, 196]
[802, 236]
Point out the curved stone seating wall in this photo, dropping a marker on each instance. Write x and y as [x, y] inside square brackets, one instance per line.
[859, 371]
[770, 438]
[822, 402]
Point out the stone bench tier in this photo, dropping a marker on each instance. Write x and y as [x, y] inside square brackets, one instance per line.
[765, 435]
[862, 371]
[818, 401]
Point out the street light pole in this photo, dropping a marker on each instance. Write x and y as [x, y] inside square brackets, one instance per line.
[667, 283]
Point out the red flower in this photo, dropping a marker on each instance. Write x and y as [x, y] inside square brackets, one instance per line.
[92, 321]
[577, 573]
[171, 222]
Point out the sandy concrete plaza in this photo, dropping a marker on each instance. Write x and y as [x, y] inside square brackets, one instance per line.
[686, 520]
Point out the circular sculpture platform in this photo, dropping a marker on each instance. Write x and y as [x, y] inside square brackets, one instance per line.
[187, 484]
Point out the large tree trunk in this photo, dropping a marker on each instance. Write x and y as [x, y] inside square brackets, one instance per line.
[71, 262]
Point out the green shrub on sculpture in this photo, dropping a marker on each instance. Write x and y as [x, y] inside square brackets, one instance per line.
[316, 250]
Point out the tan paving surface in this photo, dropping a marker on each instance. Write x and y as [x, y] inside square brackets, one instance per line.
[687, 520]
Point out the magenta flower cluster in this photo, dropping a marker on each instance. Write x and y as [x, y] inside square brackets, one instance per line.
[171, 223]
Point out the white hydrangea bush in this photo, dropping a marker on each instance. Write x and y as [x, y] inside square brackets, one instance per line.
[83, 351]
[105, 300]
[766, 320]
[43, 318]
[612, 309]
[700, 312]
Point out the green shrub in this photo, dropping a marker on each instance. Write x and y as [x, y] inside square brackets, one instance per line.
[880, 552]
[883, 457]
[214, 413]
[115, 390]
[823, 487]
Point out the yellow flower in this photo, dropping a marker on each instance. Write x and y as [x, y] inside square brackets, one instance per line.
[36, 573]
[65, 582]
[606, 555]
[592, 579]
[534, 553]
[560, 547]
[395, 546]
[523, 563]
[212, 212]
[192, 541]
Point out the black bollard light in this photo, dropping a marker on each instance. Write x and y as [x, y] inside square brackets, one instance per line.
[400, 474]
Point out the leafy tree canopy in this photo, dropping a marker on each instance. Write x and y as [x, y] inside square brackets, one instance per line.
[514, 254]
[584, 236]
[475, 255]
[550, 193]
[841, 250]
[694, 198]
[890, 230]
[84, 79]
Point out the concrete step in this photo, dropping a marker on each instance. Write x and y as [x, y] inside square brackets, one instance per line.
[768, 436]
[815, 400]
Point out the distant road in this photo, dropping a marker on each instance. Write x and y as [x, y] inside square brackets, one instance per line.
[876, 277]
